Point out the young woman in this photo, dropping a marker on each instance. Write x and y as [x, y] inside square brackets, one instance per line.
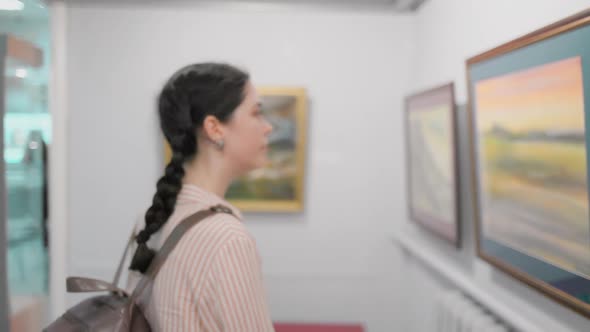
[212, 281]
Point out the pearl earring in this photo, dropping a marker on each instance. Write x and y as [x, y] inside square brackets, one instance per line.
[220, 144]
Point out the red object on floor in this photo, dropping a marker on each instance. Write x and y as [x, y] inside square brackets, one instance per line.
[285, 327]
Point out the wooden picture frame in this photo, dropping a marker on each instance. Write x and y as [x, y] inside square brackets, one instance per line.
[432, 162]
[528, 125]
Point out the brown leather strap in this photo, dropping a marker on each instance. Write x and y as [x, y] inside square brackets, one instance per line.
[122, 261]
[171, 243]
[82, 285]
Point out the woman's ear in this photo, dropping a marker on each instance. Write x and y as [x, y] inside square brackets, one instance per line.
[213, 128]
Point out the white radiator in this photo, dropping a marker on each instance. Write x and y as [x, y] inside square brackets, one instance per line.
[455, 312]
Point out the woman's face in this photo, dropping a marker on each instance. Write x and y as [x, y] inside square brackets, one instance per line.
[246, 139]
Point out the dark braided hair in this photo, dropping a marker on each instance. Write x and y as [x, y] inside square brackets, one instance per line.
[190, 95]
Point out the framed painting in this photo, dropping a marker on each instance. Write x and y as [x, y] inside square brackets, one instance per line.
[433, 183]
[529, 110]
[277, 187]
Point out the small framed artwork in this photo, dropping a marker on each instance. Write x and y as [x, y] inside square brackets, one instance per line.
[433, 184]
[529, 107]
[279, 186]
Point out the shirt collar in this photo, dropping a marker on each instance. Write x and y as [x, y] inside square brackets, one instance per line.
[190, 193]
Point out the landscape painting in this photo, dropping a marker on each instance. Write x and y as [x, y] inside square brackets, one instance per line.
[277, 187]
[432, 168]
[529, 111]
[533, 163]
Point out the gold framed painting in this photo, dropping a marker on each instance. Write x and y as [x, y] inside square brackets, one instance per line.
[279, 186]
[528, 118]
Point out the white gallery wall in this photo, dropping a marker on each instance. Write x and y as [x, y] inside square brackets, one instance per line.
[333, 262]
[337, 260]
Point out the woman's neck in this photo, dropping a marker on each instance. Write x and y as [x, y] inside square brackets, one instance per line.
[208, 173]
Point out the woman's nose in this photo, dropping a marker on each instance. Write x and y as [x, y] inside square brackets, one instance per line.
[269, 128]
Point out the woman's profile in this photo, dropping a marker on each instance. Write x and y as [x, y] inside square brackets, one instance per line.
[211, 117]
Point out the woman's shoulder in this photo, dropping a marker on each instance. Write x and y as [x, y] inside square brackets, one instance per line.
[213, 233]
[220, 226]
[201, 244]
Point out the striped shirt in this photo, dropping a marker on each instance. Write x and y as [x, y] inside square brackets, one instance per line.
[212, 281]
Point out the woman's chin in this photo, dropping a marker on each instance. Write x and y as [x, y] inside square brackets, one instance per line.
[263, 163]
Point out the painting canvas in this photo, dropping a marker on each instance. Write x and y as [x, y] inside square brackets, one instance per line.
[529, 116]
[432, 166]
[278, 186]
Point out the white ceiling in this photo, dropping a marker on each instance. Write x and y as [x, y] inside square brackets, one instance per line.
[396, 5]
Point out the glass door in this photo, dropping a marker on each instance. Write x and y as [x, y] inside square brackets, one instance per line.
[26, 131]
[24, 135]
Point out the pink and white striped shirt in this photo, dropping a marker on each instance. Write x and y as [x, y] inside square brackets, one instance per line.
[212, 281]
